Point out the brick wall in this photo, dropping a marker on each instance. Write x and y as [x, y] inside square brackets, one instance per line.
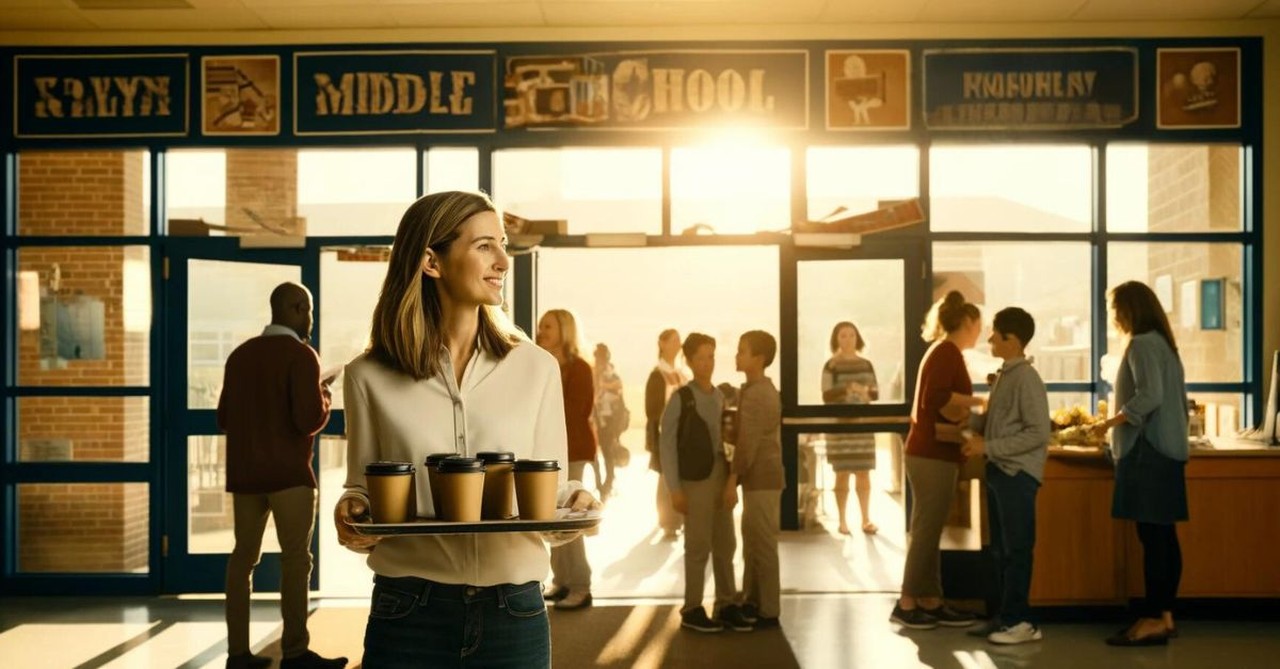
[266, 182]
[85, 527]
[1197, 188]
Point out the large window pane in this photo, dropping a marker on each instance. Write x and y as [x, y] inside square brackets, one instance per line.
[1049, 280]
[84, 193]
[594, 189]
[210, 514]
[83, 429]
[734, 190]
[877, 316]
[452, 168]
[1200, 288]
[84, 316]
[859, 178]
[239, 192]
[83, 527]
[227, 303]
[624, 298]
[351, 280]
[1014, 188]
[1174, 188]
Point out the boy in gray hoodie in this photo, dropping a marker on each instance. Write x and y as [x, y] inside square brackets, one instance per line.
[1014, 435]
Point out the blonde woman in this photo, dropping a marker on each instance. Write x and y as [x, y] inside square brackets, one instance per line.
[445, 372]
[558, 335]
[944, 396]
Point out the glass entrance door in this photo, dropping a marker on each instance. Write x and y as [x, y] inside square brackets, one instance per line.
[216, 297]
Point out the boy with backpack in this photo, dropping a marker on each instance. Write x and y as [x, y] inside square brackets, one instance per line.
[694, 469]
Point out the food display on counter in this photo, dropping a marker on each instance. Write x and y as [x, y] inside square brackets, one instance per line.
[1074, 427]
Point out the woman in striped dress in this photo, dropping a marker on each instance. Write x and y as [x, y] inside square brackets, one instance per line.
[849, 378]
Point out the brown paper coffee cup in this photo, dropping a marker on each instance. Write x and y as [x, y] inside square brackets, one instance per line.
[499, 485]
[430, 464]
[461, 482]
[391, 491]
[537, 482]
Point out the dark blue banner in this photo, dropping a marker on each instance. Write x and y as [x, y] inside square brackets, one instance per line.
[658, 90]
[1030, 89]
[97, 95]
[390, 92]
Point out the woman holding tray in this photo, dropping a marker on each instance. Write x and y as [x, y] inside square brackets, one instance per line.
[445, 372]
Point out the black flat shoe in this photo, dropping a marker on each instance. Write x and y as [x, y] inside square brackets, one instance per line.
[1123, 639]
[555, 594]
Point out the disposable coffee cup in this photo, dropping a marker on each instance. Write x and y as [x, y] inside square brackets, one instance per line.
[461, 482]
[537, 482]
[437, 501]
[391, 491]
[499, 485]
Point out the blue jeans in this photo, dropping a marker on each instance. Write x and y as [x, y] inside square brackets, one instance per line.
[1011, 510]
[417, 623]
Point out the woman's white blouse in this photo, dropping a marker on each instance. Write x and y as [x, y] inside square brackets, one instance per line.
[514, 404]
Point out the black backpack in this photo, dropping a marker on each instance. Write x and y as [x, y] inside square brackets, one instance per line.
[694, 452]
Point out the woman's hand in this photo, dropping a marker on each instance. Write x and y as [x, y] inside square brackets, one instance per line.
[582, 500]
[730, 497]
[350, 510]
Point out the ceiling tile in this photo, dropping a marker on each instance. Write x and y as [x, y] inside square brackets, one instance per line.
[872, 11]
[1269, 9]
[1164, 10]
[668, 13]
[367, 6]
[326, 18]
[36, 4]
[177, 19]
[1010, 11]
[43, 19]
[457, 15]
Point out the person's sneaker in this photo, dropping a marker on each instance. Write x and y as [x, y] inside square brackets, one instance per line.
[697, 620]
[915, 619]
[731, 617]
[310, 660]
[1023, 632]
[985, 629]
[750, 612]
[766, 624]
[949, 617]
[248, 661]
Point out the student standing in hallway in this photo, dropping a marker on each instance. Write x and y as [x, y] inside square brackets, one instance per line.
[1013, 433]
[695, 469]
[665, 379]
[757, 465]
[273, 403]
[558, 335]
[944, 396]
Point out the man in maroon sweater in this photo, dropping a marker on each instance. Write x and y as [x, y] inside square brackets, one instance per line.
[273, 404]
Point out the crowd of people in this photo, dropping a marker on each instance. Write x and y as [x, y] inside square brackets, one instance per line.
[445, 371]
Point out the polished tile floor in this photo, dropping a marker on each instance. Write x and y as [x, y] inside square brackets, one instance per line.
[824, 631]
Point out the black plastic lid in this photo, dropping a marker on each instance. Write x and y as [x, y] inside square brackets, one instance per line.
[537, 466]
[388, 467]
[496, 457]
[459, 465]
[435, 458]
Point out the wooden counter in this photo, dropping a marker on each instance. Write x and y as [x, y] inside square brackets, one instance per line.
[1230, 546]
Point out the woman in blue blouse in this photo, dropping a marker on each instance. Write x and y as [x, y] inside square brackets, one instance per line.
[1149, 445]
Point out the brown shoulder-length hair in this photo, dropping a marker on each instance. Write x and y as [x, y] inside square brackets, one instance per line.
[407, 331]
[947, 315]
[1138, 309]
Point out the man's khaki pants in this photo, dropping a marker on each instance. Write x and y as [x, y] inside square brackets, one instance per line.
[708, 530]
[761, 579]
[294, 510]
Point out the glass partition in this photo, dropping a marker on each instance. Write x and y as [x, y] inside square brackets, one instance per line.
[1011, 188]
[591, 189]
[1175, 188]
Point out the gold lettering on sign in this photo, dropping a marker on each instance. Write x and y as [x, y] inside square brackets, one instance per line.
[103, 97]
[382, 93]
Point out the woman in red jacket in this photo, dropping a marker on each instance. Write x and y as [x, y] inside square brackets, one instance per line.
[558, 334]
[944, 395]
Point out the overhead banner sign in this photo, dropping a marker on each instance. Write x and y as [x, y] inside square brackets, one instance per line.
[1030, 89]
[394, 92]
[100, 95]
[658, 90]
